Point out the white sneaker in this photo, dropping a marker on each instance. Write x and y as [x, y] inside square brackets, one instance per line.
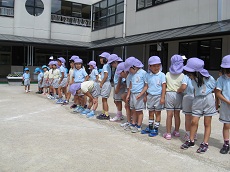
[26, 91]
[29, 90]
[124, 124]
[135, 129]
[116, 118]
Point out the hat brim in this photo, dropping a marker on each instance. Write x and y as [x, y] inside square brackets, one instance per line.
[186, 68]
[225, 66]
[154, 63]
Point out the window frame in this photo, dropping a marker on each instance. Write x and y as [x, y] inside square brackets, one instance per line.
[153, 4]
[107, 17]
[8, 7]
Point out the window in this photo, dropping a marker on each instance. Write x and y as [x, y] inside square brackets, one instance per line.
[7, 7]
[142, 4]
[107, 13]
[34, 7]
[208, 50]
[5, 55]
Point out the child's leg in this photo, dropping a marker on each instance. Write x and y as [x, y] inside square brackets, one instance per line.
[95, 105]
[25, 87]
[105, 106]
[157, 120]
[207, 129]
[128, 113]
[28, 87]
[59, 92]
[177, 119]
[134, 116]
[139, 115]
[169, 121]
[226, 128]
[151, 120]
[64, 91]
[90, 104]
[194, 126]
[188, 120]
[119, 107]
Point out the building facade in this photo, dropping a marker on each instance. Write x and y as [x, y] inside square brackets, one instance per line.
[33, 30]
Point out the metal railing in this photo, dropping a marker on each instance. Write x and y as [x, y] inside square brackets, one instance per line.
[70, 20]
[4, 11]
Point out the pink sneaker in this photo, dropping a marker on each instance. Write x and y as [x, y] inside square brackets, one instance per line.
[176, 134]
[167, 136]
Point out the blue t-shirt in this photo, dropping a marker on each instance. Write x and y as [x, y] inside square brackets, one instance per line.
[93, 75]
[207, 88]
[40, 76]
[26, 75]
[63, 69]
[155, 82]
[223, 84]
[106, 68]
[189, 89]
[116, 79]
[138, 81]
[128, 79]
[79, 75]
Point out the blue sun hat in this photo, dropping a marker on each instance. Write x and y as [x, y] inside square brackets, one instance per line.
[37, 70]
[26, 69]
[44, 66]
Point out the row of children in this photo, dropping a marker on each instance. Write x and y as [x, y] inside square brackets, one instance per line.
[187, 87]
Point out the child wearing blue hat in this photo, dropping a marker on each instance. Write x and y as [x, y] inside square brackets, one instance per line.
[26, 79]
[40, 79]
[45, 83]
[223, 93]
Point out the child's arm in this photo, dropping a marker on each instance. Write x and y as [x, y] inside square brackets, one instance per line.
[182, 88]
[97, 77]
[62, 76]
[86, 78]
[72, 81]
[104, 79]
[221, 97]
[128, 93]
[118, 86]
[143, 91]
[162, 101]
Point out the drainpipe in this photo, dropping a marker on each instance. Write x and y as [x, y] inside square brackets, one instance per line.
[219, 10]
[124, 20]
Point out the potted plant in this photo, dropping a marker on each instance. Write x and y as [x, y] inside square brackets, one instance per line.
[15, 78]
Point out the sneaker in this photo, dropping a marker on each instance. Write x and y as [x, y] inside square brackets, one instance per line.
[116, 118]
[73, 106]
[124, 124]
[135, 129]
[59, 101]
[26, 91]
[103, 117]
[80, 109]
[29, 90]
[145, 131]
[187, 144]
[65, 102]
[84, 112]
[224, 149]
[127, 127]
[76, 109]
[176, 134]
[167, 136]
[186, 137]
[91, 114]
[203, 148]
[153, 133]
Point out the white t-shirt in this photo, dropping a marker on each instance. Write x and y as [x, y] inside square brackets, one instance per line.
[87, 86]
[173, 81]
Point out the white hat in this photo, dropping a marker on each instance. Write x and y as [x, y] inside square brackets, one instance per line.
[51, 58]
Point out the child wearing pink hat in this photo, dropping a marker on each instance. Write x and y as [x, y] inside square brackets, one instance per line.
[203, 103]
[223, 93]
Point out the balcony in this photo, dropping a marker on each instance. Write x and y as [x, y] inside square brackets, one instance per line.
[6, 11]
[70, 20]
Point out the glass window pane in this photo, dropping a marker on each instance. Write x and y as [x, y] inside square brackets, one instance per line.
[120, 7]
[140, 4]
[215, 54]
[30, 10]
[111, 2]
[7, 3]
[103, 4]
[103, 13]
[38, 11]
[120, 18]
[96, 7]
[111, 20]
[76, 10]
[86, 11]
[118, 1]
[66, 8]
[56, 7]
[148, 3]
[111, 10]
[30, 3]
[103, 22]
[39, 3]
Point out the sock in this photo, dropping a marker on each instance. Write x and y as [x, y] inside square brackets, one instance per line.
[103, 112]
[157, 124]
[106, 113]
[151, 124]
[119, 113]
[85, 106]
[226, 142]
[138, 126]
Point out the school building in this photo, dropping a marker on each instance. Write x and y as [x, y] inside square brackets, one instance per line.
[33, 30]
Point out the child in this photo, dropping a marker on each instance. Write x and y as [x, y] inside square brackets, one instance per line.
[223, 93]
[105, 86]
[92, 90]
[94, 72]
[79, 76]
[114, 60]
[135, 93]
[56, 76]
[45, 82]
[203, 103]
[50, 80]
[173, 101]
[63, 79]
[40, 79]
[26, 79]
[69, 80]
[188, 97]
[155, 85]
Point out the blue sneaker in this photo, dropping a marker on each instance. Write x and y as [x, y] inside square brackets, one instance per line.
[153, 133]
[86, 111]
[80, 109]
[145, 131]
[59, 101]
[91, 114]
[76, 109]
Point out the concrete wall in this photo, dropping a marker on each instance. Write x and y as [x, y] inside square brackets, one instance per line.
[6, 25]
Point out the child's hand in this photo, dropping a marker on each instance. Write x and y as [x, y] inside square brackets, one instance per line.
[101, 85]
[127, 100]
[138, 97]
[145, 99]
[162, 101]
[95, 101]
[59, 82]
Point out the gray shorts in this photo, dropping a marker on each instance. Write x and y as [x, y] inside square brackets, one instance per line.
[39, 84]
[26, 82]
[55, 83]
[117, 97]
[187, 104]
[106, 90]
[153, 103]
[173, 101]
[63, 82]
[139, 104]
[203, 106]
[45, 83]
[96, 90]
[224, 113]
[50, 82]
